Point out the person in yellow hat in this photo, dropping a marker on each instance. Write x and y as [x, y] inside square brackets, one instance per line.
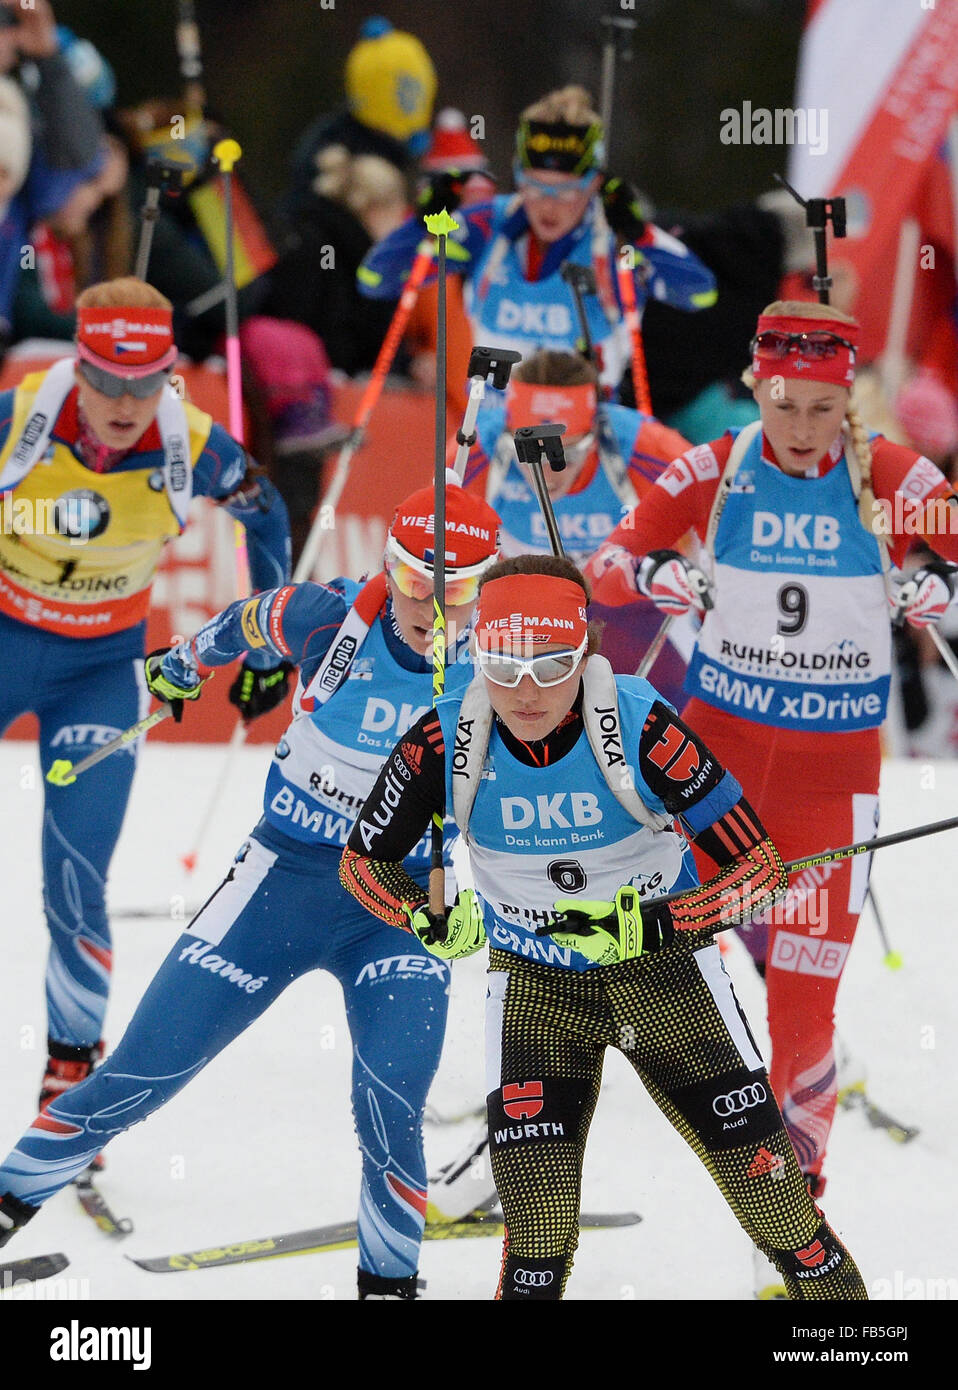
[390, 90]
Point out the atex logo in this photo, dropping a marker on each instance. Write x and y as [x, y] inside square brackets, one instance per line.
[533, 1278]
[522, 1100]
[736, 1101]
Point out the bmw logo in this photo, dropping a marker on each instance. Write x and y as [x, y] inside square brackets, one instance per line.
[81, 514]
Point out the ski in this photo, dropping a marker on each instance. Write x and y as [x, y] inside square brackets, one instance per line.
[31, 1268]
[855, 1098]
[95, 1205]
[322, 1239]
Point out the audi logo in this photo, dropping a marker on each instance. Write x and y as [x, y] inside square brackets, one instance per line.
[534, 1278]
[737, 1101]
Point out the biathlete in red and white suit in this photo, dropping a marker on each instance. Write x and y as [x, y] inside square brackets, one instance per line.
[800, 515]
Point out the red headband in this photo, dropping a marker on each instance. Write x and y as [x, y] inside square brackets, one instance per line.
[128, 341]
[530, 610]
[836, 371]
[572, 406]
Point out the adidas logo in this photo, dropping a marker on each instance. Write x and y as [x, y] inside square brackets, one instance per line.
[765, 1162]
[411, 754]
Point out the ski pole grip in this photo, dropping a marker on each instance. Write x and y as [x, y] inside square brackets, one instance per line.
[227, 153]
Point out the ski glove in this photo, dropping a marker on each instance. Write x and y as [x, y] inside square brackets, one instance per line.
[172, 676]
[623, 209]
[452, 934]
[605, 933]
[673, 583]
[257, 692]
[441, 190]
[923, 598]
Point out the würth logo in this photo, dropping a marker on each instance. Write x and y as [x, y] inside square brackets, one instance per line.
[812, 1255]
[522, 1100]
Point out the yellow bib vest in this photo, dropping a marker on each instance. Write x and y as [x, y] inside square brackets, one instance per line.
[78, 549]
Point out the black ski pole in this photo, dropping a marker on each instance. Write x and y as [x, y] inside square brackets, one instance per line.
[581, 281]
[818, 213]
[162, 175]
[815, 861]
[531, 442]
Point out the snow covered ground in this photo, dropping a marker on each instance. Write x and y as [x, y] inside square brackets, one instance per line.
[262, 1142]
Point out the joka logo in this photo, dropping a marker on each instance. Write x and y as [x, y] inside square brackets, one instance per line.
[812, 1255]
[522, 1100]
[568, 875]
[737, 1101]
[765, 1162]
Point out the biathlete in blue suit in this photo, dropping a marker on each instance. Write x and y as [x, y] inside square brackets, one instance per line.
[280, 911]
[99, 459]
[510, 250]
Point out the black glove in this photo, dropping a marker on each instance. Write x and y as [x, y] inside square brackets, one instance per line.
[257, 692]
[440, 191]
[623, 209]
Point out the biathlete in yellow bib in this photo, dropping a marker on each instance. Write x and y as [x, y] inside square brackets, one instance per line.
[99, 460]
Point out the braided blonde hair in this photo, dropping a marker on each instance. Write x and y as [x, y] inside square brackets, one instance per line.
[857, 442]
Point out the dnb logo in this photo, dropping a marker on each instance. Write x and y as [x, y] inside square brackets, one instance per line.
[81, 514]
[568, 875]
[522, 1100]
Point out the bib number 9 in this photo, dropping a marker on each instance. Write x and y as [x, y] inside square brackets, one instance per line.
[793, 602]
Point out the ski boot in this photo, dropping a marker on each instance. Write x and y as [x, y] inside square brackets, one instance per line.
[767, 1282]
[66, 1067]
[377, 1287]
[14, 1215]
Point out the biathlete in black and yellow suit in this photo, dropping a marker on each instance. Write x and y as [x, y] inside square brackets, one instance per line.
[99, 459]
[568, 785]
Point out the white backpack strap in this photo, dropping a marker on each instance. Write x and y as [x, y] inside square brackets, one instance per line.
[47, 404]
[739, 449]
[177, 470]
[473, 728]
[614, 466]
[853, 464]
[603, 727]
[353, 631]
[503, 457]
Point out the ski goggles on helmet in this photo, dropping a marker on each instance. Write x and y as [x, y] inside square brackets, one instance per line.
[817, 346]
[566, 192]
[414, 577]
[548, 668]
[110, 384]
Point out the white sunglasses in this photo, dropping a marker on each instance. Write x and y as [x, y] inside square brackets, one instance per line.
[550, 668]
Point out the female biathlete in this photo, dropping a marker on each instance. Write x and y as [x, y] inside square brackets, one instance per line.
[365, 676]
[800, 516]
[613, 456]
[99, 459]
[565, 781]
[510, 251]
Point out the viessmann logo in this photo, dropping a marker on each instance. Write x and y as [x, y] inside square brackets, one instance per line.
[736, 1101]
